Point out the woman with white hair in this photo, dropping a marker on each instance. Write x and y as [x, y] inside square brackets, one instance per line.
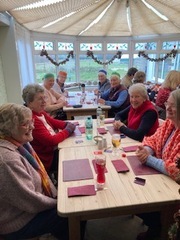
[141, 117]
[28, 199]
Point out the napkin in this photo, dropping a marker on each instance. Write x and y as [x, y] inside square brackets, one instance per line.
[76, 132]
[94, 165]
[82, 129]
[120, 166]
[77, 169]
[102, 130]
[86, 190]
[130, 149]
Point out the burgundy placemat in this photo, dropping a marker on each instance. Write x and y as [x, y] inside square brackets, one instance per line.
[76, 132]
[130, 148]
[102, 130]
[106, 121]
[94, 165]
[86, 190]
[77, 169]
[120, 166]
[112, 130]
[82, 129]
[140, 169]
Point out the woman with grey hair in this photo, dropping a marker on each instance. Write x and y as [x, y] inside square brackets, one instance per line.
[47, 132]
[141, 118]
[28, 198]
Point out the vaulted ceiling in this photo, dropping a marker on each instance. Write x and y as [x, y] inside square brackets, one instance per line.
[97, 17]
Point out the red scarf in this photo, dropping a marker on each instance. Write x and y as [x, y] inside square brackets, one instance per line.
[135, 116]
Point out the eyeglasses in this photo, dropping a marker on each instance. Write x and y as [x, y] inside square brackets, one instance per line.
[28, 124]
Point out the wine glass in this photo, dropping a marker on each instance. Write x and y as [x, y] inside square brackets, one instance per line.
[116, 141]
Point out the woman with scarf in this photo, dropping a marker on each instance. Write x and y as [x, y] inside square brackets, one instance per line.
[117, 96]
[28, 203]
[141, 117]
[161, 152]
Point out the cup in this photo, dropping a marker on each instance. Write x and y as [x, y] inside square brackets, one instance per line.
[100, 167]
[102, 118]
[116, 141]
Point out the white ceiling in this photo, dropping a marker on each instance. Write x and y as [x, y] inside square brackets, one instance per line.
[82, 13]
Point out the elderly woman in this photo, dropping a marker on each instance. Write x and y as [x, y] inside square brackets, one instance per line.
[171, 82]
[139, 77]
[117, 96]
[54, 100]
[47, 132]
[141, 117]
[28, 197]
[103, 84]
[161, 150]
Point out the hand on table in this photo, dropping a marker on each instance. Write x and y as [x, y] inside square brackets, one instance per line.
[102, 101]
[142, 154]
[118, 124]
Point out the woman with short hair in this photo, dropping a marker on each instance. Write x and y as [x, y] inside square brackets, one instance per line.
[47, 132]
[141, 118]
[28, 199]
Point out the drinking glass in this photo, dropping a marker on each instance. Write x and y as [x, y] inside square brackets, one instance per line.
[116, 141]
[100, 167]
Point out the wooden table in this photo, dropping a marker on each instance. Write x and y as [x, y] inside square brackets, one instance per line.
[80, 141]
[121, 196]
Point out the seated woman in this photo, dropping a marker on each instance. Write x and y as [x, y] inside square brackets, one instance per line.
[28, 199]
[116, 96]
[171, 82]
[47, 132]
[139, 77]
[161, 150]
[54, 100]
[103, 84]
[141, 117]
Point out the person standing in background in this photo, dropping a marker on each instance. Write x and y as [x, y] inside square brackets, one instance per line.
[127, 79]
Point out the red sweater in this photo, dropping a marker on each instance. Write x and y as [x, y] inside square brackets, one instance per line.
[135, 115]
[44, 142]
[162, 97]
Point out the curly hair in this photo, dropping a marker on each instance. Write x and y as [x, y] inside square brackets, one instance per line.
[30, 91]
[11, 116]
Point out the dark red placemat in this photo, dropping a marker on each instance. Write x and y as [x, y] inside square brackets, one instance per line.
[112, 130]
[130, 148]
[77, 169]
[102, 130]
[82, 129]
[139, 168]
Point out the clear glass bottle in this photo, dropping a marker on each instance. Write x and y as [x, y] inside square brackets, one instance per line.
[89, 128]
[98, 114]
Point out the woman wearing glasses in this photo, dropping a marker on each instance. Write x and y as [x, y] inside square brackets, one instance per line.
[28, 197]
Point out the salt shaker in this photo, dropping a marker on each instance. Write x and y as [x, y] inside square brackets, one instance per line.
[104, 143]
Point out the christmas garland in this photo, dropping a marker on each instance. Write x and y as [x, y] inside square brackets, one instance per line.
[172, 53]
[91, 54]
[44, 53]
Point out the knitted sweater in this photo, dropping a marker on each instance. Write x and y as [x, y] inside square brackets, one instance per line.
[21, 193]
[45, 139]
[169, 150]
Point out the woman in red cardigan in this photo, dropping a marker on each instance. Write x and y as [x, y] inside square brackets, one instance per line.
[141, 117]
[47, 132]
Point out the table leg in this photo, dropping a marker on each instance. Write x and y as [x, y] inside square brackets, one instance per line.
[74, 228]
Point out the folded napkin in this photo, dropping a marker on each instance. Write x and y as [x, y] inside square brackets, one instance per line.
[94, 165]
[76, 132]
[86, 190]
[102, 130]
[82, 129]
[120, 166]
[106, 121]
[130, 149]
[77, 169]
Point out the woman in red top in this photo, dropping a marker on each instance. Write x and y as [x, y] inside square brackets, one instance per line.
[171, 82]
[47, 132]
[141, 116]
